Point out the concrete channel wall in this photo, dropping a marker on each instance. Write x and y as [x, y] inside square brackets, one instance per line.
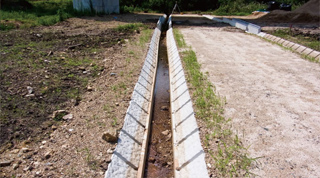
[128, 154]
[189, 157]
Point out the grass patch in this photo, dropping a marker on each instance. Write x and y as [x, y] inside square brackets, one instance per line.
[225, 148]
[42, 13]
[238, 7]
[305, 40]
[129, 27]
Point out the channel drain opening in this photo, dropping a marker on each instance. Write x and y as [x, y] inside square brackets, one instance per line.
[159, 161]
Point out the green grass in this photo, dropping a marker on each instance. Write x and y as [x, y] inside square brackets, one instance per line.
[43, 13]
[310, 42]
[238, 7]
[129, 27]
[225, 148]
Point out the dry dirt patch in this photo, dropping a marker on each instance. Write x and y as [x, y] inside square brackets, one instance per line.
[272, 97]
[71, 147]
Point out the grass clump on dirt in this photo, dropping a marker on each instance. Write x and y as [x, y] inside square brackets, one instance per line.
[310, 41]
[225, 148]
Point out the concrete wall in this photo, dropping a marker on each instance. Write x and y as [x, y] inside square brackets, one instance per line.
[100, 6]
[189, 156]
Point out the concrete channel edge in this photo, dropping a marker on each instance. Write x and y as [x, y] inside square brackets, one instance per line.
[189, 157]
[255, 29]
[126, 158]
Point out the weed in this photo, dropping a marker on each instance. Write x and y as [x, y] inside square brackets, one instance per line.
[145, 37]
[114, 122]
[225, 148]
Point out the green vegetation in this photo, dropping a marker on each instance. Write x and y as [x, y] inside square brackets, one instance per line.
[305, 40]
[225, 148]
[129, 27]
[41, 13]
[217, 7]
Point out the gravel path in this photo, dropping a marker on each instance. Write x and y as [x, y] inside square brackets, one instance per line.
[273, 98]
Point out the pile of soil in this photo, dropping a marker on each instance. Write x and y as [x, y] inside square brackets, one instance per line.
[308, 13]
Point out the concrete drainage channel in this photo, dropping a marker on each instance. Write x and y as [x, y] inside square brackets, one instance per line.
[160, 113]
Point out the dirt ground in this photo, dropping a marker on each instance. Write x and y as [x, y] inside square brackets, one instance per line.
[34, 145]
[272, 98]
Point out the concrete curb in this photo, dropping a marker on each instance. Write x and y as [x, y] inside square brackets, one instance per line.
[189, 157]
[255, 29]
[294, 46]
[126, 158]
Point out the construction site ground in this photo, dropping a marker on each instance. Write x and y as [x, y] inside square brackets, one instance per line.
[272, 96]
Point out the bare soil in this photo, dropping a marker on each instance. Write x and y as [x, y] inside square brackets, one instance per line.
[272, 98]
[82, 66]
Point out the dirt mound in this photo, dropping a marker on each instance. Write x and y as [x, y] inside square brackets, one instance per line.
[312, 7]
[290, 17]
[308, 13]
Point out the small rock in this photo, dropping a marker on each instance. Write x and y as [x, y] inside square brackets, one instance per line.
[113, 74]
[53, 127]
[82, 68]
[46, 76]
[28, 168]
[43, 142]
[151, 160]
[59, 112]
[30, 90]
[68, 117]
[39, 35]
[30, 95]
[117, 104]
[166, 132]
[15, 151]
[109, 151]
[64, 146]
[169, 163]
[15, 166]
[5, 163]
[24, 150]
[110, 136]
[209, 165]
[70, 130]
[89, 88]
[164, 108]
[47, 155]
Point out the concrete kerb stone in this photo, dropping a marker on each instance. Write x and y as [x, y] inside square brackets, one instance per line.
[307, 51]
[314, 54]
[240, 24]
[301, 49]
[126, 157]
[255, 29]
[188, 153]
[295, 46]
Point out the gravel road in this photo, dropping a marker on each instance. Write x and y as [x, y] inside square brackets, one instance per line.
[273, 98]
